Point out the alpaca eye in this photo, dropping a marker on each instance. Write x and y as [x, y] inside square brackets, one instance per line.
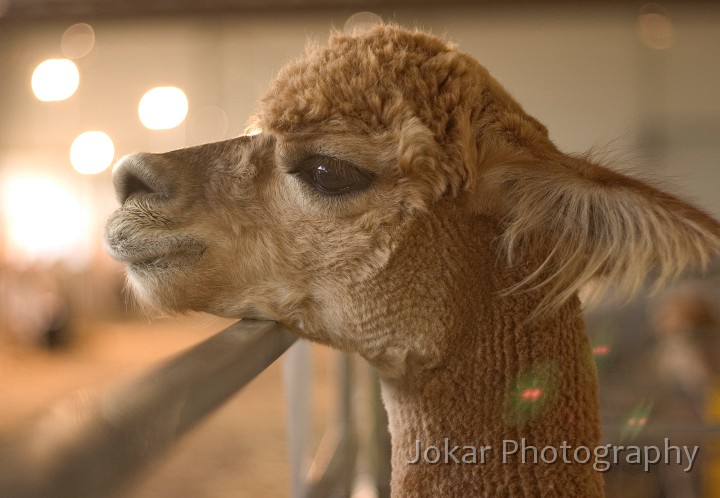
[331, 176]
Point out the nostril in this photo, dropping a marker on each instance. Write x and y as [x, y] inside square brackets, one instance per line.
[137, 175]
[134, 185]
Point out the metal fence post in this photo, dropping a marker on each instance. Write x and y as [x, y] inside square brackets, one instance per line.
[296, 374]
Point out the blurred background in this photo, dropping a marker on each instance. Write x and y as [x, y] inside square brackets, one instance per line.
[83, 82]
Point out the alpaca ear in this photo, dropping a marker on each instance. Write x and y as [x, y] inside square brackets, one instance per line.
[583, 221]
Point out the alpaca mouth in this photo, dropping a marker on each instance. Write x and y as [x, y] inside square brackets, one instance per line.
[157, 254]
[151, 249]
[177, 260]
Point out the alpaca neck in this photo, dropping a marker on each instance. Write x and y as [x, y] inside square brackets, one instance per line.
[503, 389]
[494, 383]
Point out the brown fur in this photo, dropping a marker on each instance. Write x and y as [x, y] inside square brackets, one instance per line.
[473, 223]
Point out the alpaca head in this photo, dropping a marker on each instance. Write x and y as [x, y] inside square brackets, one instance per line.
[359, 141]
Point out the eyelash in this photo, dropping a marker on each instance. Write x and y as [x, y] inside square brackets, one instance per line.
[331, 177]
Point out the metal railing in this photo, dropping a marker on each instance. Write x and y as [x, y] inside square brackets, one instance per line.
[349, 459]
[96, 445]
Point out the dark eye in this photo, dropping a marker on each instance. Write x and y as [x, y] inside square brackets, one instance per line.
[331, 176]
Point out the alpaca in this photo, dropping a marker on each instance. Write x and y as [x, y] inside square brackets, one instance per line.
[398, 203]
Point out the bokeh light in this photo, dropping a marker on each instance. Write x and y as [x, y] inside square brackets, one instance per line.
[531, 394]
[163, 107]
[92, 152]
[55, 79]
[636, 420]
[603, 335]
[44, 220]
[77, 41]
[639, 421]
[361, 21]
[655, 28]
[601, 350]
